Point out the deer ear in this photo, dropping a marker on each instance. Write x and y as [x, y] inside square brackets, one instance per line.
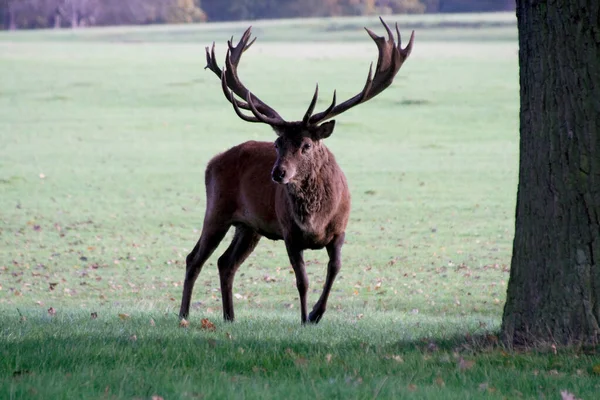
[325, 130]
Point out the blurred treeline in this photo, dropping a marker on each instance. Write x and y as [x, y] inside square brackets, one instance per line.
[31, 14]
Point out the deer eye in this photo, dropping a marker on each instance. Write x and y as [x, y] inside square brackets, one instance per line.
[306, 147]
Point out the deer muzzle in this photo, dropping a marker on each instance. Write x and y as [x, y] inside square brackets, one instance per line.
[280, 174]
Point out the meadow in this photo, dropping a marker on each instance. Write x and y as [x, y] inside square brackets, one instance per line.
[104, 136]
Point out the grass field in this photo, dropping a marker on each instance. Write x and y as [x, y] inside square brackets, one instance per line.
[104, 136]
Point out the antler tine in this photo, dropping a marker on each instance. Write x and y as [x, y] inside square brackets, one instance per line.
[228, 93]
[211, 62]
[239, 112]
[388, 30]
[261, 117]
[389, 61]
[250, 44]
[311, 107]
[332, 105]
[368, 83]
[408, 49]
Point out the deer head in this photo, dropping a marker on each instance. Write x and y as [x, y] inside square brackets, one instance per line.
[298, 146]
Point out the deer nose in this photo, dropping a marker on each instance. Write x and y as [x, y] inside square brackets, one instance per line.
[278, 174]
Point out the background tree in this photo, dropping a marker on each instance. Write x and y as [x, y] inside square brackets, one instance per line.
[554, 287]
[31, 14]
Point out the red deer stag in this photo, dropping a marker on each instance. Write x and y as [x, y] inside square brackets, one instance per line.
[293, 191]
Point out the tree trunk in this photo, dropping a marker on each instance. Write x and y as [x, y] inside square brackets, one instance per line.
[57, 19]
[74, 14]
[554, 286]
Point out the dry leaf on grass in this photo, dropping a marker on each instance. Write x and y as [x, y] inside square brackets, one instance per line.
[184, 323]
[94, 315]
[152, 323]
[464, 365]
[301, 361]
[124, 316]
[207, 325]
[51, 311]
[565, 395]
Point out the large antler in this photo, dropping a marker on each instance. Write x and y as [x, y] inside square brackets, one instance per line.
[391, 58]
[231, 84]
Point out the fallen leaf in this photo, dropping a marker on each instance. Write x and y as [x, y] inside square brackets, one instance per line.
[300, 361]
[94, 315]
[51, 311]
[596, 369]
[152, 323]
[157, 397]
[440, 382]
[228, 335]
[184, 323]
[565, 395]
[290, 352]
[133, 338]
[42, 176]
[328, 358]
[124, 316]
[207, 325]
[412, 387]
[238, 296]
[52, 285]
[464, 365]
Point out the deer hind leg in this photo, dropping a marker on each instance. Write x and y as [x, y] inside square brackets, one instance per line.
[334, 250]
[297, 261]
[243, 243]
[211, 236]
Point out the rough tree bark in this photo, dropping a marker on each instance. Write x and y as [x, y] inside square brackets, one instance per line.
[554, 287]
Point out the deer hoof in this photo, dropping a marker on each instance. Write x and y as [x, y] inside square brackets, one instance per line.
[314, 317]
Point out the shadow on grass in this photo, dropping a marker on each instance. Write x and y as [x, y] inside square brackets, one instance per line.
[73, 355]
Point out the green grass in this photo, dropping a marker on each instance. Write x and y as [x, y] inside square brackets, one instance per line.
[104, 137]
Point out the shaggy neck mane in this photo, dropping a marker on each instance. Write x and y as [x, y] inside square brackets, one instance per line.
[310, 195]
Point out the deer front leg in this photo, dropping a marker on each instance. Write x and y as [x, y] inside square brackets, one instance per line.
[297, 261]
[334, 250]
